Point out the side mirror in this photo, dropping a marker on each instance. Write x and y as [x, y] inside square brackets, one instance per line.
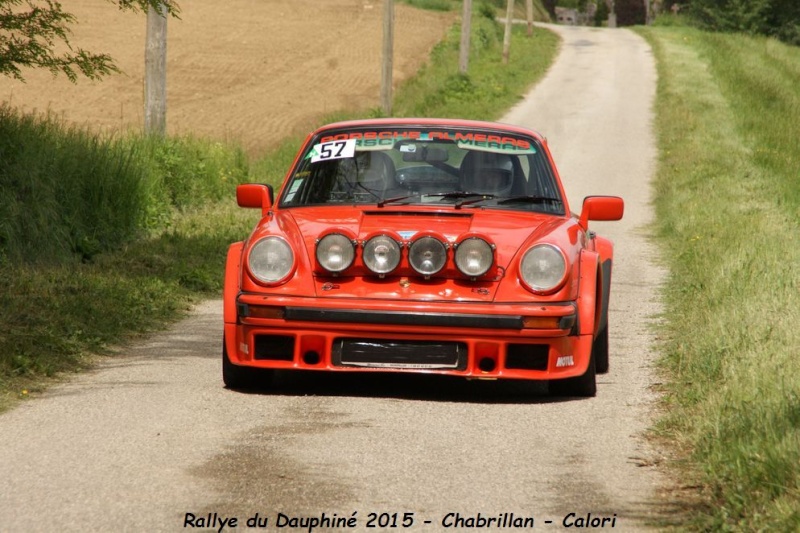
[254, 195]
[601, 208]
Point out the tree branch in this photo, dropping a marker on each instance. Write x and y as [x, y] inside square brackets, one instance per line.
[31, 30]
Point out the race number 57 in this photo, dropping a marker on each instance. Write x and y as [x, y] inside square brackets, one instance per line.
[333, 150]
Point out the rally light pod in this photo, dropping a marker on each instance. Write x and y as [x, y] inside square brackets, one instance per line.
[335, 251]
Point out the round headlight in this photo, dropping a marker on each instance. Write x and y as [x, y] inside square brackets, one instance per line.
[427, 255]
[381, 254]
[543, 268]
[474, 257]
[335, 252]
[270, 259]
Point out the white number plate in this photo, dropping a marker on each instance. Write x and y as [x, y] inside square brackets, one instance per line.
[333, 150]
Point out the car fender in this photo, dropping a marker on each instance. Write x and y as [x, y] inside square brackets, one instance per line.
[605, 248]
[588, 292]
[230, 288]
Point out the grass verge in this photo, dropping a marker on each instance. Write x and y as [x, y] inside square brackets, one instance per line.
[728, 206]
[489, 88]
[61, 307]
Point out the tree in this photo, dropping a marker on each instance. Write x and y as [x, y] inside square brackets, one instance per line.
[776, 18]
[550, 6]
[629, 12]
[783, 21]
[33, 31]
[601, 13]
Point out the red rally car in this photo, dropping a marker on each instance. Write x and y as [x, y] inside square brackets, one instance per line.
[420, 245]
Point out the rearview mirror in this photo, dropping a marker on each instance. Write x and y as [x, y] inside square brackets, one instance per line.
[415, 153]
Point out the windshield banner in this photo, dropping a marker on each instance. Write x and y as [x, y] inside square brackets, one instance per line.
[385, 140]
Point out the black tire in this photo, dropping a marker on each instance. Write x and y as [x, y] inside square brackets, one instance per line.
[584, 386]
[600, 351]
[237, 377]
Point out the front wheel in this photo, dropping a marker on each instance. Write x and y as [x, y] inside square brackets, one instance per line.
[600, 351]
[239, 377]
[584, 386]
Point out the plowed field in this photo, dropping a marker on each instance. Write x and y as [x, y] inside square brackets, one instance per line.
[250, 71]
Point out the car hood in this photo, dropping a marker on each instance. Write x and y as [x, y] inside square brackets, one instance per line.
[510, 231]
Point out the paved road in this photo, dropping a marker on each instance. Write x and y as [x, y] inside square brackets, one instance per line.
[152, 435]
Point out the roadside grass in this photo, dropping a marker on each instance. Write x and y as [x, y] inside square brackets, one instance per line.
[489, 87]
[57, 317]
[140, 260]
[67, 193]
[497, 6]
[95, 202]
[64, 301]
[728, 211]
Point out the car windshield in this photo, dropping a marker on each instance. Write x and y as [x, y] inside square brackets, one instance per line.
[432, 166]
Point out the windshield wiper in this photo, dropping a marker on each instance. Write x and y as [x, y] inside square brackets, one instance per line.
[395, 199]
[464, 194]
[528, 199]
[451, 194]
[460, 194]
[473, 201]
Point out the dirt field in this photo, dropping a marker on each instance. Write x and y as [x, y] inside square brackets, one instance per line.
[250, 71]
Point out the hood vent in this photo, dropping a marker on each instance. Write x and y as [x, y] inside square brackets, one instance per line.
[428, 214]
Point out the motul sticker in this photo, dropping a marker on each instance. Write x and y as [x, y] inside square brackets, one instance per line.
[565, 360]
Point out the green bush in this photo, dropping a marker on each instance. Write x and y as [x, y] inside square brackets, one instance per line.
[434, 5]
[601, 15]
[67, 193]
[488, 10]
[186, 171]
[776, 18]
[63, 191]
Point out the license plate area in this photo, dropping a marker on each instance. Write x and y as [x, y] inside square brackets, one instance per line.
[404, 354]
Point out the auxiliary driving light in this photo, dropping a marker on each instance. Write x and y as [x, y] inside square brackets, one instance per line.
[335, 252]
[474, 257]
[427, 255]
[381, 254]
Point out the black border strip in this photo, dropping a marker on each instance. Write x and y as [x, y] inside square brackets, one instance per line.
[404, 318]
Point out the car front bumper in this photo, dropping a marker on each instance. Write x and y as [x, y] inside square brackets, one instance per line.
[474, 340]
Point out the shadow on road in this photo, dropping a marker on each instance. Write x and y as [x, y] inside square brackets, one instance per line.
[407, 387]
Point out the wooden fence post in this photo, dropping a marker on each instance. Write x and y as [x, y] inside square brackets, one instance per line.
[155, 77]
[466, 23]
[507, 34]
[388, 60]
[529, 15]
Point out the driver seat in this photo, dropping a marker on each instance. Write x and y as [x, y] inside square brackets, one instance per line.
[487, 173]
[376, 171]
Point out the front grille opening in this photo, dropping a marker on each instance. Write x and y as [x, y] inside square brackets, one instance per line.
[527, 356]
[274, 347]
